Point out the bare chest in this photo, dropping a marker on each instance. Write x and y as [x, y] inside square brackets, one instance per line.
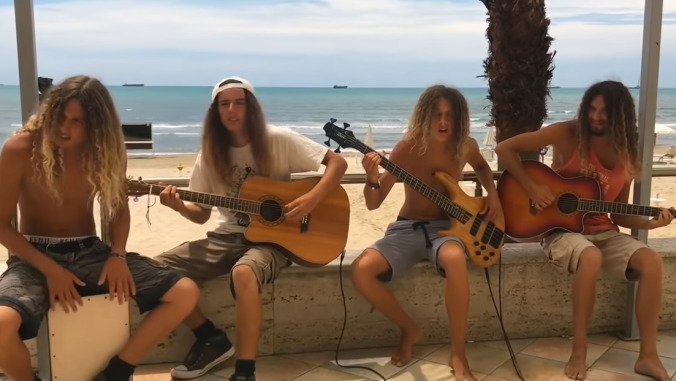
[74, 190]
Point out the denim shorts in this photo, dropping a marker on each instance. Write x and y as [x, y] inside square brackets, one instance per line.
[24, 288]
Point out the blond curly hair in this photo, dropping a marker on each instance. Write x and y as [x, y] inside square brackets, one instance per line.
[420, 126]
[104, 154]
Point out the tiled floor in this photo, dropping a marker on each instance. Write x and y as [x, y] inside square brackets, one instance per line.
[543, 359]
[539, 359]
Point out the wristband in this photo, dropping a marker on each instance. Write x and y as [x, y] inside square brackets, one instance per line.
[373, 186]
[118, 255]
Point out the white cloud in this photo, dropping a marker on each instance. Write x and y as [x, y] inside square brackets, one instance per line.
[138, 33]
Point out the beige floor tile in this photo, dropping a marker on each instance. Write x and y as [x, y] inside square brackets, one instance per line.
[154, 372]
[532, 369]
[559, 349]
[426, 370]
[622, 361]
[322, 358]
[666, 345]
[480, 357]
[321, 374]
[272, 368]
[602, 375]
[380, 365]
[493, 378]
[517, 345]
[376, 358]
[604, 339]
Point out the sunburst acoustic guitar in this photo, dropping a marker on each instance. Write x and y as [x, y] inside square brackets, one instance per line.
[313, 241]
[575, 198]
[483, 239]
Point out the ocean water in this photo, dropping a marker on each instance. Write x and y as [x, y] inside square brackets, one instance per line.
[176, 113]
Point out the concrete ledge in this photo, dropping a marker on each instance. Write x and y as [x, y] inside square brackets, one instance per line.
[303, 309]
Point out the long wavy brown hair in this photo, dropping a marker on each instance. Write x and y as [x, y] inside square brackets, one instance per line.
[104, 153]
[420, 126]
[621, 123]
[216, 139]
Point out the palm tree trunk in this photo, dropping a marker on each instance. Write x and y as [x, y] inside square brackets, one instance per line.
[518, 67]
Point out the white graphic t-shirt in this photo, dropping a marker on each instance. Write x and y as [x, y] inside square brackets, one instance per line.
[291, 152]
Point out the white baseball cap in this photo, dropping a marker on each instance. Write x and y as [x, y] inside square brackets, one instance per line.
[229, 83]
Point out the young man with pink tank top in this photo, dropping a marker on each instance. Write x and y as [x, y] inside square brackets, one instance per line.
[602, 143]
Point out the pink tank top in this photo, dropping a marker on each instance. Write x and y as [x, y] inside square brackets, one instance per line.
[611, 182]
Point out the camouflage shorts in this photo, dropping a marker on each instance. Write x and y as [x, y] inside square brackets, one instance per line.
[24, 288]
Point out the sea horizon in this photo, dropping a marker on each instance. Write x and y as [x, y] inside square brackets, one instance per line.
[176, 112]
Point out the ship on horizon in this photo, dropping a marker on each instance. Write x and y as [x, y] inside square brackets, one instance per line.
[134, 84]
[340, 86]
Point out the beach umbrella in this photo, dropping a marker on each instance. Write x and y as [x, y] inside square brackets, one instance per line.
[664, 129]
[489, 139]
[368, 140]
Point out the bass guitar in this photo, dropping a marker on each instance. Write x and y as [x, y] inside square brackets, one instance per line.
[483, 239]
[575, 198]
[312, 241]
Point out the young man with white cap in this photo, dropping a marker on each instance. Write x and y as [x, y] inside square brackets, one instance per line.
[236, 143]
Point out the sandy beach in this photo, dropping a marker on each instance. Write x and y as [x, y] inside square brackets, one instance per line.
[166, 228]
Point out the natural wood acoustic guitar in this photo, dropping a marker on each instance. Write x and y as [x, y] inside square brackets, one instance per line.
[575, 198]
[483, 239]
[313, 241]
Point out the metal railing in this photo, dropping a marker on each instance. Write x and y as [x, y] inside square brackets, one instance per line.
[360, 178]
[350, 178]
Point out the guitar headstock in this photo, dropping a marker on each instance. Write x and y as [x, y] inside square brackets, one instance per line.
[137, 187]
[342, 136]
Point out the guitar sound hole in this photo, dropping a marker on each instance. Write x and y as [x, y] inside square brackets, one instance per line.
[271, 210]
[567, 203]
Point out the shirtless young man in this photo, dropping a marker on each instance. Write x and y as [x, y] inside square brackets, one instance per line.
[437, 140]
[603, 143]
[70, 152]
[237, 142]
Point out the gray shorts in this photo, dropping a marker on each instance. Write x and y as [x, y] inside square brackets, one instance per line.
[407, 242]
[24, 288]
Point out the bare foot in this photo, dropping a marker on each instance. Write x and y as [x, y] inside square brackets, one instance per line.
[404, 353]
[460, 368]
[576, 368]
[651, 366]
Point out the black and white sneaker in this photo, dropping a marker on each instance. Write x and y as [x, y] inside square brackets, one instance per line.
[204, 355]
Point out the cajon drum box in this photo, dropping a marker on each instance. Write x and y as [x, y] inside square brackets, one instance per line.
[76, 346]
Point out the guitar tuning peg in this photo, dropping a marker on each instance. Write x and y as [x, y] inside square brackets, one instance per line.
[333, 120]
[328, 143]
[346, 125]
[337, 150]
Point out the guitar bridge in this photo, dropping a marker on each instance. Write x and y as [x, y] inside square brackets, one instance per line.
[304, 224]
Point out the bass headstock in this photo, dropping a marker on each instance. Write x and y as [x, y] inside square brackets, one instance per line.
[342, 136]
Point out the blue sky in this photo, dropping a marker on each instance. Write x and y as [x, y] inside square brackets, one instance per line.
[361, 43]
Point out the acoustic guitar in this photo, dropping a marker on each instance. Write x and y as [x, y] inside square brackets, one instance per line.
[313, 241]
[575, 198]
[483, 239]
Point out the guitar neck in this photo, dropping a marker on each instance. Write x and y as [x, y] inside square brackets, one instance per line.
[611, 207]
[451, 208]
[234, 203]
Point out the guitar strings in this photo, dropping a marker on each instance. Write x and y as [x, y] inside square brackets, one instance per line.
[274, 206]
